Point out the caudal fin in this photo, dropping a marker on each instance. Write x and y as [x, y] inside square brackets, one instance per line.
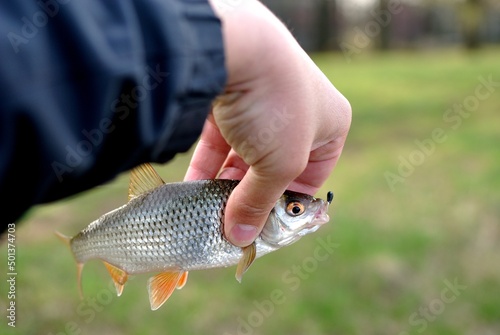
[79, 266]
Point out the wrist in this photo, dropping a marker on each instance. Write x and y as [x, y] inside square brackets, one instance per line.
[256, 43]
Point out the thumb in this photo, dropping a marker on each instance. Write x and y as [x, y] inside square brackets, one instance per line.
[249, 205]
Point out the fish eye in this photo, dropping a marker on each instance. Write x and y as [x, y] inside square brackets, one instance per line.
[295, 208]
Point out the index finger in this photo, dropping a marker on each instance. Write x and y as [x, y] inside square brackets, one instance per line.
[209, 155]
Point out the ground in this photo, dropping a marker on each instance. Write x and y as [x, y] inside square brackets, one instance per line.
[412, 247]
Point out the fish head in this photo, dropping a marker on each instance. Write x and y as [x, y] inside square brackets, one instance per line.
[295, 215]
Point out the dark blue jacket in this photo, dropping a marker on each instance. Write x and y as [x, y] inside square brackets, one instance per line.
[91, 88]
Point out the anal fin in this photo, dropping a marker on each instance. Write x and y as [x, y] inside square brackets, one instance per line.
[119, 277]
[161, 286]
[246, 260]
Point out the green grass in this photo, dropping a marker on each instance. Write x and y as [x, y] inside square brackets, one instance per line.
[397, 247]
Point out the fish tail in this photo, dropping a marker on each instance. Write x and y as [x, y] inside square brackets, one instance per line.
[66, 239]
[79, 266]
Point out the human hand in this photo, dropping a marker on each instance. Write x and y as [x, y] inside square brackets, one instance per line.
[279, 125]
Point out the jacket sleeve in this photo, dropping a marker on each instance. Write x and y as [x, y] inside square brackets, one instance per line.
[91, 88]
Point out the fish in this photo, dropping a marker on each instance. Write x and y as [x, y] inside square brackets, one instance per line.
[173, 228]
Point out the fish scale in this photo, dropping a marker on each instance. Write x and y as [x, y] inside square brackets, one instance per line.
[132, 236]
[178, 227]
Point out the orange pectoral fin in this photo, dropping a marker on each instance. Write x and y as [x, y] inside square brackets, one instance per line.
[119, 277]
[161, 286]
[246, 260]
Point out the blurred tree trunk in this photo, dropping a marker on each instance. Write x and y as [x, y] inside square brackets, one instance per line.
[472, 13]
[384, 42]
[326, 37]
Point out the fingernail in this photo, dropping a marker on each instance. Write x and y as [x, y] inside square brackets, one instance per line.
[243, 234]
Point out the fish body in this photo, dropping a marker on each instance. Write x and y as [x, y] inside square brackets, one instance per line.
[178, 227]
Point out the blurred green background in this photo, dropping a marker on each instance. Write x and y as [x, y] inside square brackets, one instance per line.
[413, 246]
[415, 226]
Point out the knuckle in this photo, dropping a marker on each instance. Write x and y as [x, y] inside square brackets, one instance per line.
[345, 116]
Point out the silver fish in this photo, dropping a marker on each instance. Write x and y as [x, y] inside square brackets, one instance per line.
[178, 227]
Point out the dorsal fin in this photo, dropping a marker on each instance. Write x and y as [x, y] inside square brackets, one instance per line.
[142, 179]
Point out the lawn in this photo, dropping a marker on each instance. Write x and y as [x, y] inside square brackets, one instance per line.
[413, 246]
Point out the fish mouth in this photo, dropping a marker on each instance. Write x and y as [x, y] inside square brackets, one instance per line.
[321, 217]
